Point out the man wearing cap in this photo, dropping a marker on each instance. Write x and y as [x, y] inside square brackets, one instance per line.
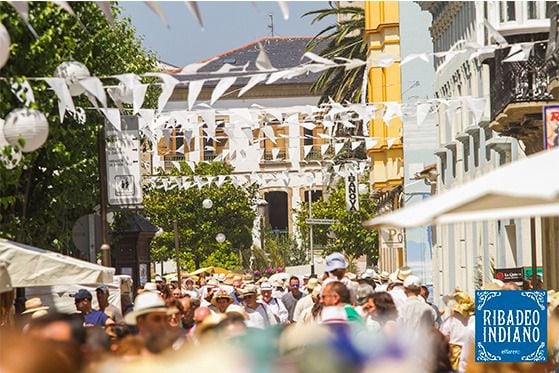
[92, 317]
[336, 266]
[305, 302]
[290, 299]
[275, 305]
[414, 314]
[110, 310]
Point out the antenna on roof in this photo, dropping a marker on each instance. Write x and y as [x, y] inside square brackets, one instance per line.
[271, 25]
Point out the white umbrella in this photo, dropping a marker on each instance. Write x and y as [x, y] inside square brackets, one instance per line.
[27, 266]
[525, 188]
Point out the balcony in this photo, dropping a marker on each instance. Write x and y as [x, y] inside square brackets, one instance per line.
[210, 155]
[169, 159]
[519, 90]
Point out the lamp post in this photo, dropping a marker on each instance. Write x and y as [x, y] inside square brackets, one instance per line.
[262, 204]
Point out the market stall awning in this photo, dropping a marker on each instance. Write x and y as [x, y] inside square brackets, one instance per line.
[525, 188]
[27, 266]
[210, 270]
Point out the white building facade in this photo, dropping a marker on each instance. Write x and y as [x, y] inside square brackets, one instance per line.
[466, 255]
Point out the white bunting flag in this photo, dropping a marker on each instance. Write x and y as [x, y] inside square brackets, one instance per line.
[476, 106]
[324, 148]
[22, 7]
[221, 87]
[61, 90]
[275, 152]
[193, 8]
[392, 109]
[390, 141]
[254, 80]
[192, 165]
[154, 6]
[176, 164]
[269, 133]
[356, 144]
[94, 87]
[262, 62]
[194, 67]
[113, 115]
[167, 87]
[194, 88]
[318, 59]
[284, 9]
[220, 181]
[307, 150]
[337, 147]
[371, 142]
[422, 112]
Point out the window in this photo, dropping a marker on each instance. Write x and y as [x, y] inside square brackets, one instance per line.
[282, 142]
[215, 147]
[532, 9]
[508, 11]
[548, 5]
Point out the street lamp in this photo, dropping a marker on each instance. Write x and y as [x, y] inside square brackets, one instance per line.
[261, 205]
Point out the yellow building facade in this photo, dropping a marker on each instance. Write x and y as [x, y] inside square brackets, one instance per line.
[382, 32]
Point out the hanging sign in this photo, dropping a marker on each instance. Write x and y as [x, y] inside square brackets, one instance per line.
[551, 126]
[123, 163]
[351, 192]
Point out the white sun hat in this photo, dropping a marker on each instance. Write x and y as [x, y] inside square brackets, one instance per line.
[146, 302]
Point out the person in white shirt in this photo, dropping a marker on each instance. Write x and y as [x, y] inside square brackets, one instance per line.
[259, 314]
[414, 315]
[306, 302]
[275, 305]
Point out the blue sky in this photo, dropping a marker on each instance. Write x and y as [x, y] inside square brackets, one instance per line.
[228, 24]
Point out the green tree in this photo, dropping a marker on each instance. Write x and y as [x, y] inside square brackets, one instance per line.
[347, 235]
[231, 214]
[279, 252]
[53, 186]
[343, 39]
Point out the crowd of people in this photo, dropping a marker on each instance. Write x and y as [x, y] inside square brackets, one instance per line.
[338, 322]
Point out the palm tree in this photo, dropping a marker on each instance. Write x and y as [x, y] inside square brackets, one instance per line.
[345, 39]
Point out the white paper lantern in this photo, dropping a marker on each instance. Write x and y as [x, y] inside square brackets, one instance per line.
[220, 237]
[363, 189]
[28, 124]
[8, 161]
[72, 72]
[207, 203]
[4, 45]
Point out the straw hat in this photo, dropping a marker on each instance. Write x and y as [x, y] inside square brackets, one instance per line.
[384, 276]
[236, 309]
[266, 286]
[33, 305]
[249, 289]
[222, 294]
[313, 282]
[146, 302]
[403, 272]
[464, 304]
[151, 287]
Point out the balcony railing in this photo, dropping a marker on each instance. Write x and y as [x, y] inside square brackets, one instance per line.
[521, 81]
[169, 159]
[269, 156]
[210, 155]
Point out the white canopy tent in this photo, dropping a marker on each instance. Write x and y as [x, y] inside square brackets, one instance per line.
[525, 188]
[27, 266]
